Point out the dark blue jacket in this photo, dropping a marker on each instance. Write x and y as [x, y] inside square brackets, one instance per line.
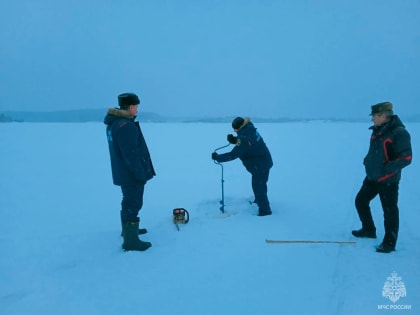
[130, 159]
[389, 151]
[250, 149]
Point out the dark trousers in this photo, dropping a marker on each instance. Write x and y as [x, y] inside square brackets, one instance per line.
[388, 194]
[131, 203]
[259, 187]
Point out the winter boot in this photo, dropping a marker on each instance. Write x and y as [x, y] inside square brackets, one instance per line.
[388, 244]
[131, 238]
[364, 233]
[385, 248]
[141, 231]
[264, 213]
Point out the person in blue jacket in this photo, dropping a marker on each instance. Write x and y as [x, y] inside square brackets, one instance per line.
[389, 152]
[131, 166]
[251, 149]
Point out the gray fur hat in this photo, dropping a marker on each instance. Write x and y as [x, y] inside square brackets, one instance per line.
[384, 107]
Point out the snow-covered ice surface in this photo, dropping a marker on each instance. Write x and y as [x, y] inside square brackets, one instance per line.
[60, 232]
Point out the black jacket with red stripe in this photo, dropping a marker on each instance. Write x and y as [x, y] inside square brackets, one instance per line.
[389, 151]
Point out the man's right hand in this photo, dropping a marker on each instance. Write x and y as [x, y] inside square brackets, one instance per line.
[232, 139]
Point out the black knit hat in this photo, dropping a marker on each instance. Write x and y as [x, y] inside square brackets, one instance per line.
[127, 99]
[382, 108]
[237, 122]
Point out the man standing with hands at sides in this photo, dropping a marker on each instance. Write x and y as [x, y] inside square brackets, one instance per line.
[389, 152]
[251, 149]
[131, 166]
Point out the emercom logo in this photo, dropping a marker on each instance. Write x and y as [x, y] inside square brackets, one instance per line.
[394, 289]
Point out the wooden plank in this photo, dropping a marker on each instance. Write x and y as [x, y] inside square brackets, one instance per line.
[308, 242]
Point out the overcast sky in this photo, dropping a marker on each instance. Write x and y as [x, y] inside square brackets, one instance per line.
[212, 58]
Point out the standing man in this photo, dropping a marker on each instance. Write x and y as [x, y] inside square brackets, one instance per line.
[131, 166]
[250, 148]
[389, 152]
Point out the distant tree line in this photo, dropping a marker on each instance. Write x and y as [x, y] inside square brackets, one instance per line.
[4, 118]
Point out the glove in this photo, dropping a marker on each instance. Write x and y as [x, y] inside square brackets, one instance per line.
[232, 139]
[214, 156]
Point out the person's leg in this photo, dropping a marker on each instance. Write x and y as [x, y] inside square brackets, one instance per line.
[131, 203]
[367, 192]
[259, 186]
[388, 194]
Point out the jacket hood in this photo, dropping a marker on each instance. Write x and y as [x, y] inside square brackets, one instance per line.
[396, 122]
[116, 113]
[246, 127]
[247, 120]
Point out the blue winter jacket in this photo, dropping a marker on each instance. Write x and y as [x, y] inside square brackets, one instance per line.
[130, 158]
[251, 149]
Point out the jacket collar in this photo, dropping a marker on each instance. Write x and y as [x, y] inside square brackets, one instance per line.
[120, 113]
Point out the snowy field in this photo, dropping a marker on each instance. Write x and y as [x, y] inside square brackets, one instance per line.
[60, 232]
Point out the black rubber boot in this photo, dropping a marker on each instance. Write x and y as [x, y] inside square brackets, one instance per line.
[141, 231]
[131, 238]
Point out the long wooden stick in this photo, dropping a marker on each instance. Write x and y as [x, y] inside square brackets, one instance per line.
[307, 242]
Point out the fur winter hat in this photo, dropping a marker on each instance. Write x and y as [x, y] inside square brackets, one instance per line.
[127, 99]
[384, 107]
